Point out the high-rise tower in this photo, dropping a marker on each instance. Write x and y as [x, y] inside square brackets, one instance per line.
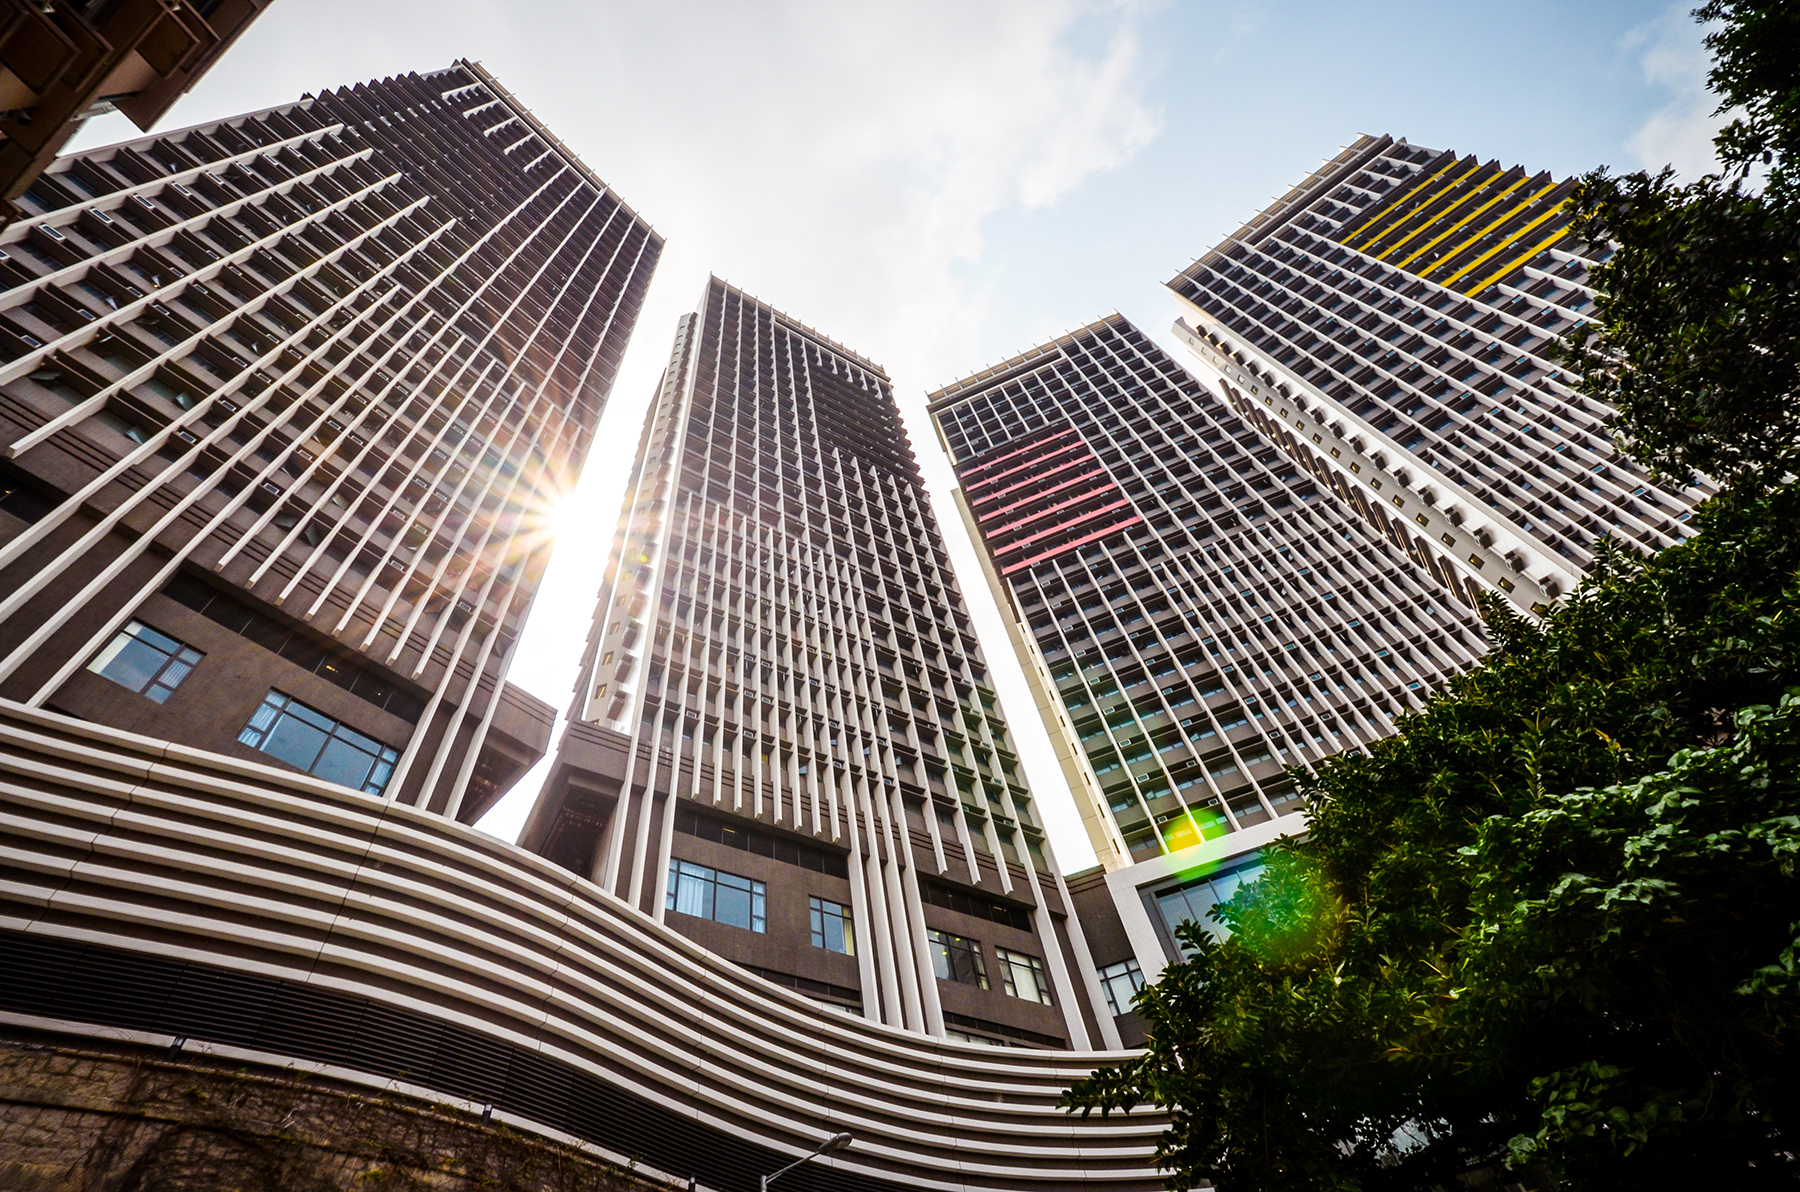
[63, 62]
[785, 744]
[282, 396]
[1390, 323]
[1388, 326]
[1193, 611]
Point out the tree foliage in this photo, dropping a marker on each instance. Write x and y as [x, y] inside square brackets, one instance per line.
[1756, 71]
[1553, 925]
[1696, 340]
[1552, 922]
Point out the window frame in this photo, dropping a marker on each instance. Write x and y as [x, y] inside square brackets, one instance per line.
[383, 757]
[1200, 896]
[158, 679]
[1011, 963]
[820, 912]
[1127, 970]
[705, 877]
[945, 945]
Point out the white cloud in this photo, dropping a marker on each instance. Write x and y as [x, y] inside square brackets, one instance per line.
[839, 160]
[1681, 132]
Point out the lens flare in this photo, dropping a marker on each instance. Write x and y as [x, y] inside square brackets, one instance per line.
[562, 517]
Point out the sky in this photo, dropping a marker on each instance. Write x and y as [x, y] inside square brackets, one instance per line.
[942, 184]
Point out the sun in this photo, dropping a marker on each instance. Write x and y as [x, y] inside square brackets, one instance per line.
[563, 516]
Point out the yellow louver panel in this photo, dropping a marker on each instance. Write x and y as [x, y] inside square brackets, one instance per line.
[1464, 222]
[1349, 240]
[1451, 225]
[1490, 253]
[1519, 260]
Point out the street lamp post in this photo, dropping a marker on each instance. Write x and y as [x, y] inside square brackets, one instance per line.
[836, 1142]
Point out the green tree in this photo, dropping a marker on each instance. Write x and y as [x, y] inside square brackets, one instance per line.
[1696, 340]
[1504, 938]
[1554, 923]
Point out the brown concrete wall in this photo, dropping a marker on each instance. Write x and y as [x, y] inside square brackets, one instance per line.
[993, 1003]
[1100, 922]
[216, 701]
[787, 945]
[1106, 939]
[129, 1120]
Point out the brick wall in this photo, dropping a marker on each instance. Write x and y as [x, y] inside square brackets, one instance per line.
[130, 1120]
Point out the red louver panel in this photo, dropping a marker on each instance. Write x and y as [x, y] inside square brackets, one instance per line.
[1037, 497]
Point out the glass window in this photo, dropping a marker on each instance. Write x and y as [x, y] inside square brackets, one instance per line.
[150, 663]
[966, 1037]
[957, 958]
[832, 928]
[1119, 982]
[1023, 975]
[1194, 901]
[309, 740]
[714, 894]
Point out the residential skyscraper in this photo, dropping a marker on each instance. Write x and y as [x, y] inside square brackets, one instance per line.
[1390, 323]
[285, 398]
[1194, 611]
[63, 62]
[785, 743]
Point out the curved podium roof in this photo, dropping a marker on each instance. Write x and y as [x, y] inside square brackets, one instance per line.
[153, 887]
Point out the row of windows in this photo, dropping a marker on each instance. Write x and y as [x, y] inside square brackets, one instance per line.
[958, 958]
[153, 664]
[707, 893]
[298, 648]
[766, 844]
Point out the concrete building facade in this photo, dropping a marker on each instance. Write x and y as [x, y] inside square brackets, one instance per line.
[285, 399]
[1194, 611]
[63, 62]
[170, 902]
[785, 743]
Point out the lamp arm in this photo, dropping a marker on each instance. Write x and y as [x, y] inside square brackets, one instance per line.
[769, 1179]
